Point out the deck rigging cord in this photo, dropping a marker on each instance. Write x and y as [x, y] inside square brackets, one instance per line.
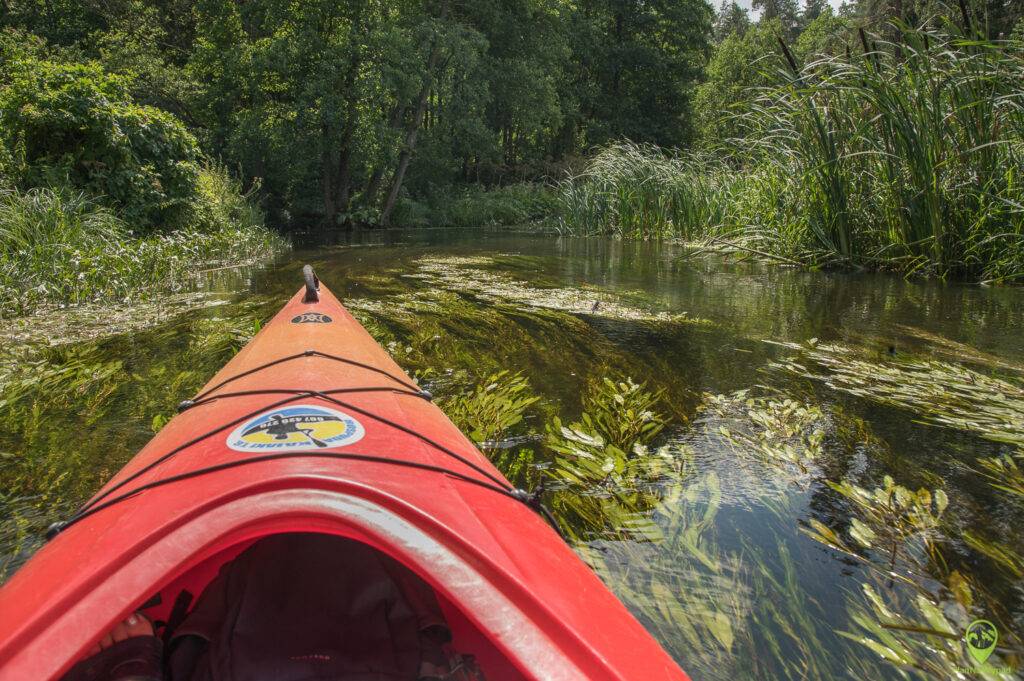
[531, 499]
[493, 483]
[312, 295]
[294, 398]
[299, 355]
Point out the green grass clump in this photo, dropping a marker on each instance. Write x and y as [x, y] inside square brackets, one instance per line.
[58, 246]
[635, 191]
[903, 157]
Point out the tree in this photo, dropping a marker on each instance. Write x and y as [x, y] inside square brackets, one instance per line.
[75, 124]
[826, 35]
[731, 19]
[785, 11]
[740, 64]
[639, 61]
[340, 110]
[812, 10]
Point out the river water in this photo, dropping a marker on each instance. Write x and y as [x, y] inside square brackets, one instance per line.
[748, 550]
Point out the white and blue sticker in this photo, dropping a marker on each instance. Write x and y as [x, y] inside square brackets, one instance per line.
[296, 427]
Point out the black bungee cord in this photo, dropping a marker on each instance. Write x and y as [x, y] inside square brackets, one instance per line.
[496, 484]
[530, 499]
[312, 284]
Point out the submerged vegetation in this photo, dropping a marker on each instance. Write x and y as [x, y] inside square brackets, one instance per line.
[758, 530]
[784, 509]
[942, 393]
[114, 390]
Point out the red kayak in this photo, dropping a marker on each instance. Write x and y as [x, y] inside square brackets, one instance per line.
[313, 428]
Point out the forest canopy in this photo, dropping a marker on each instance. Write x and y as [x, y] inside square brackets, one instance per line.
[342, 109]
[343, 112]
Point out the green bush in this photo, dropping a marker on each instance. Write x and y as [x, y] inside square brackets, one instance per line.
[74, 124]
[517, 204]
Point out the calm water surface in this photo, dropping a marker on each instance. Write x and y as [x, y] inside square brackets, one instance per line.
[722, 569]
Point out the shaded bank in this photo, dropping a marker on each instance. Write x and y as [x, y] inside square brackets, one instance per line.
[58, 247]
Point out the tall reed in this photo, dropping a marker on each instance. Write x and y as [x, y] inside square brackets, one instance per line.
[904, 157]
[636, 191]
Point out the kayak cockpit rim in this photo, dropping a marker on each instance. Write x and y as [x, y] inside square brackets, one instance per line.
[512, 618]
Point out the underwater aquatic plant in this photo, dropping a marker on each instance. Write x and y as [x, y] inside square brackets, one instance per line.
[691, 594]
[487, 412]
[943, 394]
[623, 412]
[902, 524]
[1004, 473]
[603, 462]
[916, 606]
[777, 429]
[466, 274]
[922, 635]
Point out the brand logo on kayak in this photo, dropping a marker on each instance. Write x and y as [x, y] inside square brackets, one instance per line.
[298, 427]
[311, 318]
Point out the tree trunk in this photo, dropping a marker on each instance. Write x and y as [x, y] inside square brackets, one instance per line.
[404, 158]
[327, 172]
[412, 132]
[343, 180]
[373, 186]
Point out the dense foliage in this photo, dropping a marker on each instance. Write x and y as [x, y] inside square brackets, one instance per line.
[75, 124]
[344, 111]
[62, 246]
[102, 196]
[793, 124]
[845, 149]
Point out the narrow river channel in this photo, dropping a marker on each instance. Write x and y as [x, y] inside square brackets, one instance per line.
[748, 550]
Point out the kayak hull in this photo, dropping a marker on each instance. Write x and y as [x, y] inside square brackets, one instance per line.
[312, 427]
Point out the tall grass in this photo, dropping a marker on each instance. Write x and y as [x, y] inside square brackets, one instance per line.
[636, 191]
[61, 247]
[907, 159]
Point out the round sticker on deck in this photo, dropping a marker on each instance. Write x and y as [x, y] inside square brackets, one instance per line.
[295, 428]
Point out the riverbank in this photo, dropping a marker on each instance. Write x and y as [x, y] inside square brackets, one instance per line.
[105, 198]
[905, 159]
[60, 248]
[516, 205]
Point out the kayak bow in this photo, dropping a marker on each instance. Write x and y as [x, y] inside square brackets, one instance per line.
[313, 427]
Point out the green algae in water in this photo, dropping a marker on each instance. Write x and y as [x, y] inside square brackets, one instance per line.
[944, 394]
